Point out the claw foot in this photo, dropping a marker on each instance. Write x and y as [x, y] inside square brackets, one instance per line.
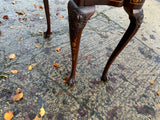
[105, 79]
[47, 34]
[71, 82]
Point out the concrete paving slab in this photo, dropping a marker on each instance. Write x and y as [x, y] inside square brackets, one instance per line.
[127, 96]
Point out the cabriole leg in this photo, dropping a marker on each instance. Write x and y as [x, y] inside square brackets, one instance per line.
[46, 6]
[78, 17]
[136, 17]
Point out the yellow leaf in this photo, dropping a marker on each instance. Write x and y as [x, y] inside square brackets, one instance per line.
[14, 71]
[18, 97]
[41, 18]
[40, 31]
[12, 56]
[8, 115]
[11, 27]
[42, 112]
[152, 82]
[37, 46]
[37, 118]
[158, 105]
[30, 67]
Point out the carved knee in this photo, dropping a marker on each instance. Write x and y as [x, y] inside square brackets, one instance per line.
[135, 15]
[138, 14]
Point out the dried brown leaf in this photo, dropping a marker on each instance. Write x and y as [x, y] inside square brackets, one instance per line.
[35, 5]
[20, 12]
[20, 38]
[5, 17]
[18, 97]
[13, 2]
[55, 65]
[19, 90]
[88, 58]
[66, 78]
[58, 49]
[61, 16]
[37, 118]
[158, 94]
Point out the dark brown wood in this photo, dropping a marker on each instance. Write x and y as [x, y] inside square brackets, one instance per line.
[77, 20]
[81, 10]
[46, 6]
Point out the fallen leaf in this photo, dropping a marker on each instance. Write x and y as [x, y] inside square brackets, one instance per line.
[88, 58]
[40, 7]
[158, 94]
[121, 32]
[58, 49]
[55, 65]
[19, 27]
[20, 12]
[5, 17]
[12, 56]
[0, 33]
[57, 14]
[40, 31]
[19, 90]
[14, 71]
[37, 46]
[0, 22]
[18, 97]
[30, 67]
[20, 38]
[11, 27]
[158, 105]
[13, 2]
[35, 5]
[42, 112]
[41, 18]
[37, 118]
[21, 21]
[152, 82]
[66, 78]
[60, 93]
[4, 76]
[61, 16]
[8, 115]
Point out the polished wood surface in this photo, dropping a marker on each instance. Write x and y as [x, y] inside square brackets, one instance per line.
[79, 12]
